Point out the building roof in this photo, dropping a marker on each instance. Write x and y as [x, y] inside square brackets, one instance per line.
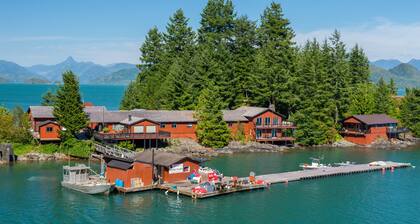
[165, 159]
[101, 114]
[373, 119]
[131, 120]
[40, 124]
[119, 164]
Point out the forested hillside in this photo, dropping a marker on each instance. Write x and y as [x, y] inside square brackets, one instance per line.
[248, 63]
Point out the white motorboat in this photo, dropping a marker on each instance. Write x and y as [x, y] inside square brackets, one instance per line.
[315, 164]
[79, 178]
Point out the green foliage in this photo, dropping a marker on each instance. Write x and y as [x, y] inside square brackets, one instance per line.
[77, 148]
[410, 111]
[383, 100]
[362, 99]
[239, 135]
[48, 99]
[126, 145]
[68, 107]
[212, 130]
[21, 149]
[14, 126]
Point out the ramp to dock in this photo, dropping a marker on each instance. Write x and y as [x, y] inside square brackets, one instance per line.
[329, 171]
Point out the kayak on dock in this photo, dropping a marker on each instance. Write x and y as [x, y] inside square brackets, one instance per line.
[80, 178]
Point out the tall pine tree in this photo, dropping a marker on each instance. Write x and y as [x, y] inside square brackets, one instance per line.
[275, 59]
[68, 107]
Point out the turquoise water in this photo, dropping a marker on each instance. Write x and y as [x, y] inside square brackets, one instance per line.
[24, 95]
[31, 193]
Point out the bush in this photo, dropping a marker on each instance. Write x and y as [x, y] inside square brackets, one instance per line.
[126, 145]
[77, 148]
[21, 149]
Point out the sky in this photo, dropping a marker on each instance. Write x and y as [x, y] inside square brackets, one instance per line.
[105, 32]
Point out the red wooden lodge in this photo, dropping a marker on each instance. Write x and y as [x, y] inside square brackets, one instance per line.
[365, 129]
[141, 126]
[139, 172]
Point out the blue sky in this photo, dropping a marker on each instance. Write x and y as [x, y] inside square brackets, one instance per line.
[104, 32]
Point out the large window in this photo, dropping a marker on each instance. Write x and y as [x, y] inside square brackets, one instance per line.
[267, 121]
[259, 121]
[117, 127]
[138, 129]
[150, 129]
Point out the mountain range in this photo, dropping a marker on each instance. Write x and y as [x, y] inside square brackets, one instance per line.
[404, 74]
[88, 72]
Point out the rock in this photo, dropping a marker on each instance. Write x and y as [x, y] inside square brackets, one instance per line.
[35, 156]
[343, 143]
[235, 146]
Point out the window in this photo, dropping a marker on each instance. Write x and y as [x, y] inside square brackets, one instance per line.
[173, 125]
[162, 125]
[189, 125]
[230, 124]
[150, 129]
[117, 127]
[275, 121]
[259, 121]
[258, 133]
[49, 129]
[274, 133]
[138, 129]
[267, 121]
[186, 169]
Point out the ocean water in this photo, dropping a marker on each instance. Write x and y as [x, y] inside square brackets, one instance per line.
[31, 193]
[25, 95]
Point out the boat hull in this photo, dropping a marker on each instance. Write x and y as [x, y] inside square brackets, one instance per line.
[88, 189]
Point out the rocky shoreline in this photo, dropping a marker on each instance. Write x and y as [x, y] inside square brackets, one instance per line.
[36, 156]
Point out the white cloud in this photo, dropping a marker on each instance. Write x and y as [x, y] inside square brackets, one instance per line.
[380, 39]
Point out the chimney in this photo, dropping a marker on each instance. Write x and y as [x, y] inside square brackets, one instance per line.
[129, 117]
[272, 107]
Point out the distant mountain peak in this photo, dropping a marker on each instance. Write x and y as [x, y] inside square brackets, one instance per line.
[386, 63]
[69, 60]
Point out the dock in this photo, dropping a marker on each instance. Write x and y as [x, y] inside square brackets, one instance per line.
[328, 171]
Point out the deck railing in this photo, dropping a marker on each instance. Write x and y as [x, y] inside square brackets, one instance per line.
[283, 125]
[131, 136]
[395, 130]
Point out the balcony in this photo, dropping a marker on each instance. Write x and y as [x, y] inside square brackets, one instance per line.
[274, 139]
[283, 125]
[395, 130]
[131, 136]
[358, 132]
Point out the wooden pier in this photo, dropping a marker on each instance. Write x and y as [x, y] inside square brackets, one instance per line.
[329, 171]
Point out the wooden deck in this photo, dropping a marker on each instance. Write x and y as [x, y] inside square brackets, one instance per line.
[326, 172]
[185, 189]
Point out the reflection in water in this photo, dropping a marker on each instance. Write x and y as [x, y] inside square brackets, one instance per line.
[31, 193]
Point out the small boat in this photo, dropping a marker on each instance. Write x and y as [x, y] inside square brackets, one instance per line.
[314, 165]
[347, 163]
[79, 178]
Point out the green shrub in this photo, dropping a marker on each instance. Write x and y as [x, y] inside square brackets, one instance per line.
[126, 145]
[77, 148]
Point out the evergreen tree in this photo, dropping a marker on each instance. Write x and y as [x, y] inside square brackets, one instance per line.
[359, 66]
[21, 126]
[244, 60]
[383, 99]
[275, 59]
[48, 99]
[214, 59]
[339, 75]
[68, 108]
[410, 111]
[393, 87]
[362, 99]
[212, 130]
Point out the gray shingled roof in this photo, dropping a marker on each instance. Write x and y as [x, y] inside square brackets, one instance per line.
[373, 119]
[41, 111]
[101, 114]
[132, 120]
[161, 158]
[119, 164]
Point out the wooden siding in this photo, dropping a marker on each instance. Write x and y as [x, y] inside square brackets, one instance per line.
[139, 170]
[44, 135]
[176, 177]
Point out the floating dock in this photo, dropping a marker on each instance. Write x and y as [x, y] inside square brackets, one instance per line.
[185, 188]
[328, 171]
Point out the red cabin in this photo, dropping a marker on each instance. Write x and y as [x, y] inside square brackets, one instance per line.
[365, 129]
[169, 168]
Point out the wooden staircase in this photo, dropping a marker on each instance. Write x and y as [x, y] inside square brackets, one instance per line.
[115, 151]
